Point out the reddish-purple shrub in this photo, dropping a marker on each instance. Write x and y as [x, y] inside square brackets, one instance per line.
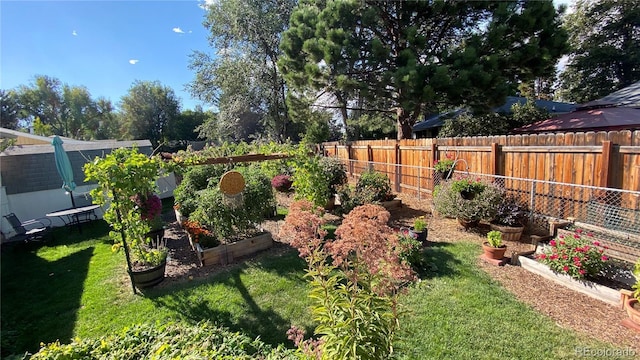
[281, 182]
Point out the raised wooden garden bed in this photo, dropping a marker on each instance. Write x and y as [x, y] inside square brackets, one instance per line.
[597, 291]
[227, 253]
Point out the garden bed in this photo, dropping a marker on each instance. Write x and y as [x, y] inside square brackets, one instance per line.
[227, 253]
[589, 288]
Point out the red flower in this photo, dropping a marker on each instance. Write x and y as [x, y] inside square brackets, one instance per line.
[562, 243]
[578, 231]
[582, 271]
[604, 258]
[575, 258]
[576, 236]
[590, 234]
[542, 256]
[565, 268]
[552, 243]
[565, 257]
[596, 243]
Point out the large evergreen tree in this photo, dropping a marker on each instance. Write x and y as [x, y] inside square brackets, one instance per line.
[420, 56]
[604, 36]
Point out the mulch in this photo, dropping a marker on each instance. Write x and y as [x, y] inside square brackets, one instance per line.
[569, 309]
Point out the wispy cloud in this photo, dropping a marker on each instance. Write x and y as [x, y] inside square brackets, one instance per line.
[205, 4]
[133, 61]
[74, 33]
[178, 30]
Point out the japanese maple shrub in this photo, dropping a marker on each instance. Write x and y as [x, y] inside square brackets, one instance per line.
[355, 280]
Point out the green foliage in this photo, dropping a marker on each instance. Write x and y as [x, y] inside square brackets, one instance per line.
[419, 224]
[444, 165]
[376, 183]
[468, 185]
[309, 179]
[494, 238]
[241, 79]
[636, 286]
[121, 175]
[527, 113]
[468, 124]
[605, 52]
[9, 109]
[149, 111]
[354, 280]
[449, 203]
[195, 179]
[233, 222]
[410, 67]
[335, 171]
[165, 341]
[411, 252]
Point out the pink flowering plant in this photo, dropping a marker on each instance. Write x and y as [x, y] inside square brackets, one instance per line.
[577, 255]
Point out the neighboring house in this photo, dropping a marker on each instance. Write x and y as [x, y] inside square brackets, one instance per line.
[617, 111]
[30, 185]
[430, 127]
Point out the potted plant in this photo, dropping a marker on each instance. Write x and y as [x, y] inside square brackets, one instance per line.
[510, 219]
[493, 248]
[631, 300]
[122, 176]
[444, 167]
[468, 188]
[419, 229]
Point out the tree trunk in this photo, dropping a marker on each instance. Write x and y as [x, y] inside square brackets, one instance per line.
[404, 124]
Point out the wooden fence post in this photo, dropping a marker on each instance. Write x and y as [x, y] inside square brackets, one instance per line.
[350, 166]
[434, 158]
[495, 156]
[369, 155]
[398, 170]
[607, 146]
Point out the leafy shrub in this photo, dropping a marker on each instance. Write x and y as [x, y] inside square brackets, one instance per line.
[195, 179]
[575, 255]
[335, 171]
[449, 203]
[510, 213]
[419, 224]
[355, 280]
[410, 251]
[310, 181]
[165, 341]
[376, 183]
[229, 222]
[350, 198]
[282, 182]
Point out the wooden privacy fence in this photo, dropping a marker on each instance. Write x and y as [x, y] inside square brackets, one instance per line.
[601, 159]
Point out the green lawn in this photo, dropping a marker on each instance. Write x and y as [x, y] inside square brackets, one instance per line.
[75, 286]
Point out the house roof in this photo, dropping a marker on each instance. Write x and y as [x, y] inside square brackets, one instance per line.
[625, 97]
[615, 118]
[437, 120]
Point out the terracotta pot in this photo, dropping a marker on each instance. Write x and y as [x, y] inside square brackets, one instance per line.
[468, 223]
[509, 233]
[633, 310]
[494, 253]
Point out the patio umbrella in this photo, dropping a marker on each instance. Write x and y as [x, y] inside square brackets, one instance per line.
[64, 167]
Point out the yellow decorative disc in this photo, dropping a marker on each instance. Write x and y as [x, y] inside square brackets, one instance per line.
[232, 183]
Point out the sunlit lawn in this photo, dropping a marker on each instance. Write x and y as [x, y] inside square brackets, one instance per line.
[75, 286]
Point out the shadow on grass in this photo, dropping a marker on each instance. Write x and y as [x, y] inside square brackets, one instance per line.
[255, 320]
[438, 261]
[40, 298]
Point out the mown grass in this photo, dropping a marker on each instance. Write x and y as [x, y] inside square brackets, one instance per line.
[75, 286]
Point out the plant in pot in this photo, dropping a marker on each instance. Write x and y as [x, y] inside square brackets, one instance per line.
[444, 167]
[468, 188]
[419, 229]
[510, 219]
[449, 203]
[122, 176]
[493, 248]
[631, 300]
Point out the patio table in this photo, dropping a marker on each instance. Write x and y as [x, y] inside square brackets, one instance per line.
[75, 216]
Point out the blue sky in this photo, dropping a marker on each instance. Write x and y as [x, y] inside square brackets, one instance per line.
[103, 45]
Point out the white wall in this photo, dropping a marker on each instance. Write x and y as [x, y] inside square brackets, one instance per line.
[37, 204]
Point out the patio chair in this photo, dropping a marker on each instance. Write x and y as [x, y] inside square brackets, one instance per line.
[30, 230]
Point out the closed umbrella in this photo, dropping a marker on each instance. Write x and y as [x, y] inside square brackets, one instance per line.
[64, 167]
